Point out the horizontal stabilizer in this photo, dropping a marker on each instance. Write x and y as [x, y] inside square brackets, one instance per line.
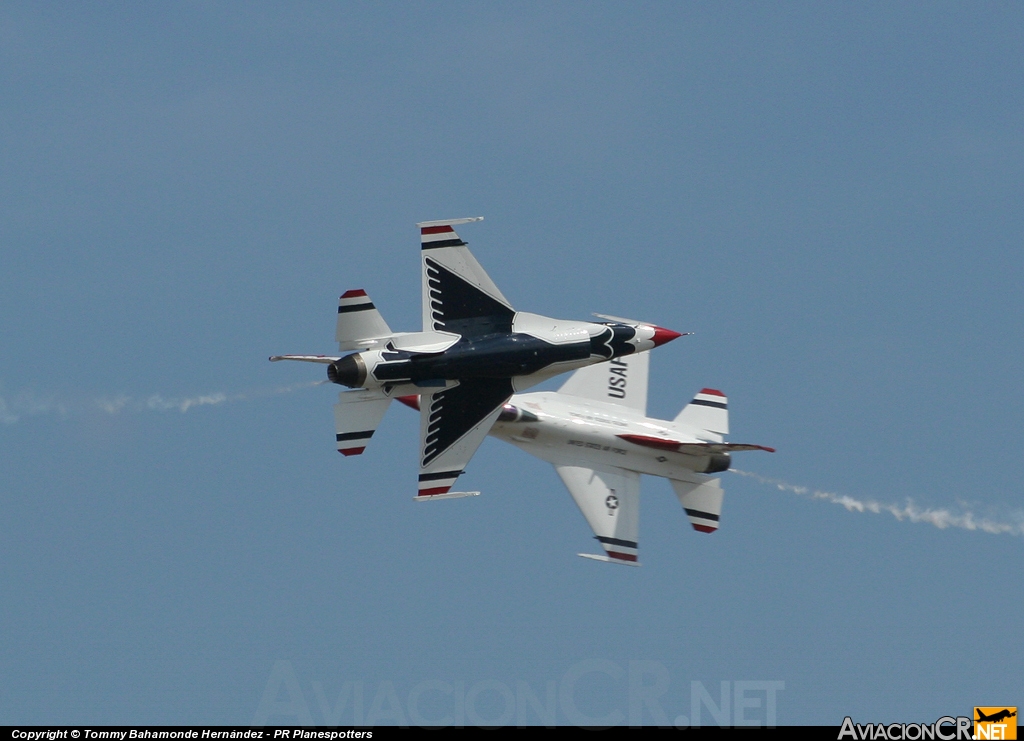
[448, 495]
[356, 416]
[360, 325]
[708, 411]
[702, 500]
[606, 559]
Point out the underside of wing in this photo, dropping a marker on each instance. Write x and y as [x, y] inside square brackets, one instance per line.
[456, 305]
[609, 499]
[453, 423]
[458, 295]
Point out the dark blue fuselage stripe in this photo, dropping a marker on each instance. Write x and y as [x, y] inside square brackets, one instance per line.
[440, 475]
[356, 307]
[702, 515]
[443, 243]
[616, 541]
[703, 403]
[354, 435]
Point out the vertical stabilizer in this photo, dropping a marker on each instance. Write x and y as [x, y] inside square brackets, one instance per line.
[621, 380]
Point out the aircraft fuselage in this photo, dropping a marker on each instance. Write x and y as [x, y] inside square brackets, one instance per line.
[558, 429]
[546, 343]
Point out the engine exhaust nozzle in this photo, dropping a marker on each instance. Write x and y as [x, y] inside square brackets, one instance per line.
[348, 371]
[718, 462]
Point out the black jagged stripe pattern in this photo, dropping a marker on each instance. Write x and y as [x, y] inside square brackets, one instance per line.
[460, 307]
[455, 411]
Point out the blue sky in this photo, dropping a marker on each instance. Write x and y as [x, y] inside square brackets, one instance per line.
[827, 195]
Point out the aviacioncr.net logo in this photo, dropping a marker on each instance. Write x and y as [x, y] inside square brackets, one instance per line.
[995, 723]
[946, 728]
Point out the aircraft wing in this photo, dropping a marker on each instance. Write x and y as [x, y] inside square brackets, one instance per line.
[621, 381]
[458, 296]
[609, 499]
[453, 423]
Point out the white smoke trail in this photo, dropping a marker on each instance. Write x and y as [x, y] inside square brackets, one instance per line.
[27, 404]
[940, 518]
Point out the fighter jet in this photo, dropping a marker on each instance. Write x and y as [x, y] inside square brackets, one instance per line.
[595, 432]
[474, 352]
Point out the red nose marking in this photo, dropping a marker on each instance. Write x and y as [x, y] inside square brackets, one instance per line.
[662, 335]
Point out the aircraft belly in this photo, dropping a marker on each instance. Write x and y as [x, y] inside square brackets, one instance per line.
[550, 371]
[559, 441]
[492, 357]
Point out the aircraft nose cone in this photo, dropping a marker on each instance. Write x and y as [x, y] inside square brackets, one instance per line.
[662, 335]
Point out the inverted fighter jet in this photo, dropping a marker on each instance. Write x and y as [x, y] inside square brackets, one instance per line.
[474, 352]
[595, 432]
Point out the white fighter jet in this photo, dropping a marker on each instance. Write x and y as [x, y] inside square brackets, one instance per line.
[595, 432]
[474, 352]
